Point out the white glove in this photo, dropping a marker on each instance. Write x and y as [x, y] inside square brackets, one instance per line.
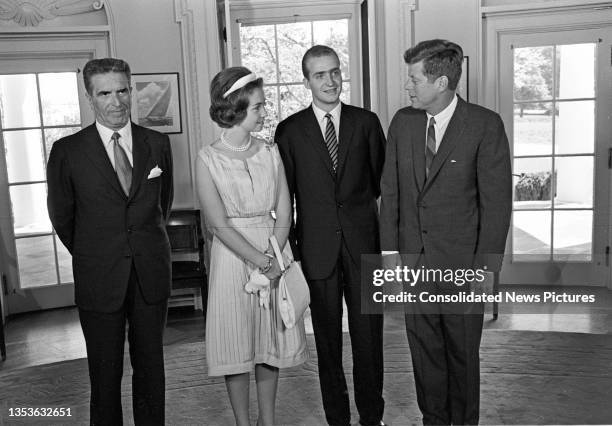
[264, 298]
[259, 283]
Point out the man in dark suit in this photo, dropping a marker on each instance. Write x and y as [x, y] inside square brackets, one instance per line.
[333, 155]
[110, 192]
[446, 201]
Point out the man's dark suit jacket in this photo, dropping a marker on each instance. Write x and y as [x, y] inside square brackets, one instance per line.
[331, 206]
[105, 230]
[464, 206]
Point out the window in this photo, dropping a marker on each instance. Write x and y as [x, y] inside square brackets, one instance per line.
[270, 40]
[274, 52]
[554, 151]
[36, 109]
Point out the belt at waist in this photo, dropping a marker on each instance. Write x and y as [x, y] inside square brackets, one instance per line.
[266, 219]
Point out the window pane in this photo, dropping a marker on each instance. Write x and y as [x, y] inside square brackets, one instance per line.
[53, 135]
[531, 236]
[65, 262]
[576, 71]
[345, 96]
[575, 127]
[335, 35]
[533, 129]
[258, 51]
[18, 101]
[293, 41]
[30, 209]
[36, 261]
[24, 155]
[293, 98]
[573, 235]
[271, 119]
[574, 182]
[533, 71]
[532, 183]
[59, 98]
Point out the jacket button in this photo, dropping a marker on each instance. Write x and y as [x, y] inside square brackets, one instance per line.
[338, 231]
[129, 230]
[424, 231]
[340, 205]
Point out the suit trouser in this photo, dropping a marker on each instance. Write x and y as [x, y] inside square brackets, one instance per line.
[105, 336]
[366, 342]
[445, 358]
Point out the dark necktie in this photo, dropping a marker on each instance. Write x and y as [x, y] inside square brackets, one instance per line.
[122, 164]
[430, 150]
[331, 141]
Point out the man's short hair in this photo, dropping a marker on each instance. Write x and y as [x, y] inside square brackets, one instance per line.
[316, 51]
[103, 66]
[440, 57]
[231, 110]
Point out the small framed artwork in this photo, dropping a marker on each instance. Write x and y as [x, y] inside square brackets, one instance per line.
[157, 103]
[464, 85]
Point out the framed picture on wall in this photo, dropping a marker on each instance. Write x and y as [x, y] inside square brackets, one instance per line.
[156, 103]
[464, 85]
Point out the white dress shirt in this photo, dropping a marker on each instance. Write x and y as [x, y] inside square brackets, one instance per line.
[442, 119]
[335, 118]
[125, 141]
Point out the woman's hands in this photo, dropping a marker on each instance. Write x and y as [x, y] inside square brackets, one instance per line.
[274, 271]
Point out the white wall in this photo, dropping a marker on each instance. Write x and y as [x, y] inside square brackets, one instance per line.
[148, 38]
[407, 22]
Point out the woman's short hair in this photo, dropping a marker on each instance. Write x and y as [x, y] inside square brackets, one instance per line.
[440, 57]
[231, 110]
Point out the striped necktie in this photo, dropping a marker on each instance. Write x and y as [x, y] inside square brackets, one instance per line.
[122, 164]
[331, 141]
[430, 150]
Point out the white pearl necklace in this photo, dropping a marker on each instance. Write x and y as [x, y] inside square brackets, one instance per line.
[231, 147]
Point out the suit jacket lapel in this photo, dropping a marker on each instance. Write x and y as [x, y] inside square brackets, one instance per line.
[449, 141]
[140, 157]
[347, 124]
[313, 134]
[95, 151]
[418, 149]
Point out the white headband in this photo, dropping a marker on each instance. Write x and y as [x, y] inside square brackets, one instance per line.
[240, 83]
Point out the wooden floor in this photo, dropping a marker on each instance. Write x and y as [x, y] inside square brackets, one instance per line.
[55, 335]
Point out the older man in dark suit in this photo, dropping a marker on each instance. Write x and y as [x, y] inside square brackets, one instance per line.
[110, 192]
[333, 155]
[446, 203]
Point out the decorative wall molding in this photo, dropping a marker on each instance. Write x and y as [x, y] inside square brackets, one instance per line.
[537, 7]
[275, 4]
[407, 9]
[201, 61]
[30, 13]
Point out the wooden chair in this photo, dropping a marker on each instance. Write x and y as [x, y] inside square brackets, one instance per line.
[188, 270]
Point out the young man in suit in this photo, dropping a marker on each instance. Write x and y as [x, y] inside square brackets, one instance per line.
[333, 155]
[110, 192]
[446, 201]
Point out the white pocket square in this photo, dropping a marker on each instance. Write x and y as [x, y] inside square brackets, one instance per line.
[155, 172]
[453, 161]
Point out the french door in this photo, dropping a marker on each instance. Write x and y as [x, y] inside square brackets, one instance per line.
[41, 100]
[556, 100]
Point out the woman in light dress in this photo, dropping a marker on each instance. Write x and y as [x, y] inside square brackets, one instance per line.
[242, 189]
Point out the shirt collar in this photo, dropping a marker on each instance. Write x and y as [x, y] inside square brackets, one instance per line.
[106, 133]
[320, 114]
[446, 114]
